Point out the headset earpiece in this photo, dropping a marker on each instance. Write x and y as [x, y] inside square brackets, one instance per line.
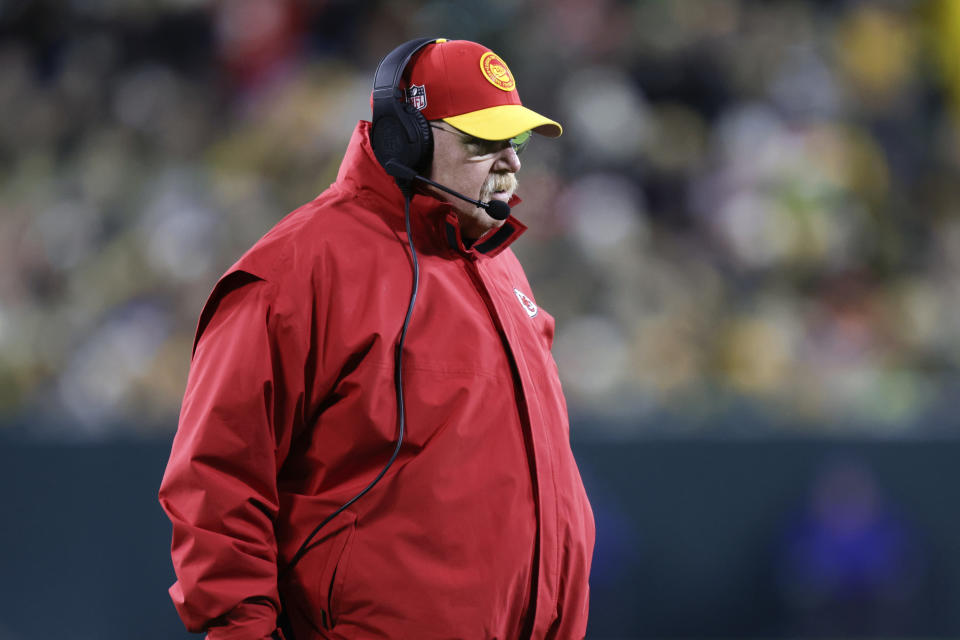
[402, 134]
[399, 132]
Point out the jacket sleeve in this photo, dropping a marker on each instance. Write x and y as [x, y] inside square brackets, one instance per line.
[220, 485]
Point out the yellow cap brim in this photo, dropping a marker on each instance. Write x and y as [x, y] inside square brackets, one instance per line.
[503, 122]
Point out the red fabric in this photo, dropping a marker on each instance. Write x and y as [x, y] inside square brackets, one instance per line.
[454, 79]
[481, 528]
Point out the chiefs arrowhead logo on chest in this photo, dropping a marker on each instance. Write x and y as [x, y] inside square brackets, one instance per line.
[527, 304]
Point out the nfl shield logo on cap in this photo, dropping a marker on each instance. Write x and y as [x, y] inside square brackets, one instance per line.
[417, 96]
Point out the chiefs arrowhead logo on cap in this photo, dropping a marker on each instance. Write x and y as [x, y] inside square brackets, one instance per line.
[496, 71]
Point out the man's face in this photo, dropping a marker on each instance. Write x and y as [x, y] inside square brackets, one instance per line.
[481, 170]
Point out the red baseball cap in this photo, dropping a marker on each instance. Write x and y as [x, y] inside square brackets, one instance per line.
[471, 88]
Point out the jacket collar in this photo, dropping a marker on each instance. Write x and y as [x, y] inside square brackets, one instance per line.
[434, 222]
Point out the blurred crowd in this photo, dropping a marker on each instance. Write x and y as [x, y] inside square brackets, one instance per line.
[750, 225]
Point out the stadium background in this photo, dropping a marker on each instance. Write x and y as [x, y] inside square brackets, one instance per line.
[749, 235]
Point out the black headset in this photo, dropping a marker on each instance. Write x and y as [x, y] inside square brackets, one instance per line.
[400, 132]
[401, 137]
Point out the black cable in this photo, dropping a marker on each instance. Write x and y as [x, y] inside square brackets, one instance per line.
[398, 382]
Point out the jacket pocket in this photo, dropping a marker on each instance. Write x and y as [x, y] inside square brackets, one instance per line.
[339, 576]
[319, 576]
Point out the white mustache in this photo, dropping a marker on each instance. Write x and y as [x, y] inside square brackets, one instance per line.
[498, 182]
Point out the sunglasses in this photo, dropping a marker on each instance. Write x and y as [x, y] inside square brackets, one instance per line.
[482, 147]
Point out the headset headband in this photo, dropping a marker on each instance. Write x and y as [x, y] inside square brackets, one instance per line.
[386, 81]
[400, 134]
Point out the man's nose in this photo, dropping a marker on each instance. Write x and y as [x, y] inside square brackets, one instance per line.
[507, 161]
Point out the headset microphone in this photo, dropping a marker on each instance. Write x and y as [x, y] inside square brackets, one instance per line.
[496, 209]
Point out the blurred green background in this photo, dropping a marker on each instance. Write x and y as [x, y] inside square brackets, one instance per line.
[749, 234]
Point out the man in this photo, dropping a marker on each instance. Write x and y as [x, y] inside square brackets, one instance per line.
[372, 463]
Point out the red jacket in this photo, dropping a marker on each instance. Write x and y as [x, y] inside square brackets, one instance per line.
[481, 528]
